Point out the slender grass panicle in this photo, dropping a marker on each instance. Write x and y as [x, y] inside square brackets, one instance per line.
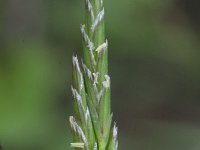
[91, 123]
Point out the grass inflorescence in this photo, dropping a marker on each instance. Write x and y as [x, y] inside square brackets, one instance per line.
[92, 120]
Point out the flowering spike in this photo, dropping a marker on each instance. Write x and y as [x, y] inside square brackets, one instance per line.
[91, 86]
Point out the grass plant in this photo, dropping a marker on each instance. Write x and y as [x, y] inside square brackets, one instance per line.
[92, 119]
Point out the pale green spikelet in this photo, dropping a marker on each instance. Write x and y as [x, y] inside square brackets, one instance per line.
[91, 123]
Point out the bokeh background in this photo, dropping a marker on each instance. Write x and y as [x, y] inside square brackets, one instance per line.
[154, 50]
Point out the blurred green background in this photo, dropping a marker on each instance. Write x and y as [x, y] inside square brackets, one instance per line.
[154, 50]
